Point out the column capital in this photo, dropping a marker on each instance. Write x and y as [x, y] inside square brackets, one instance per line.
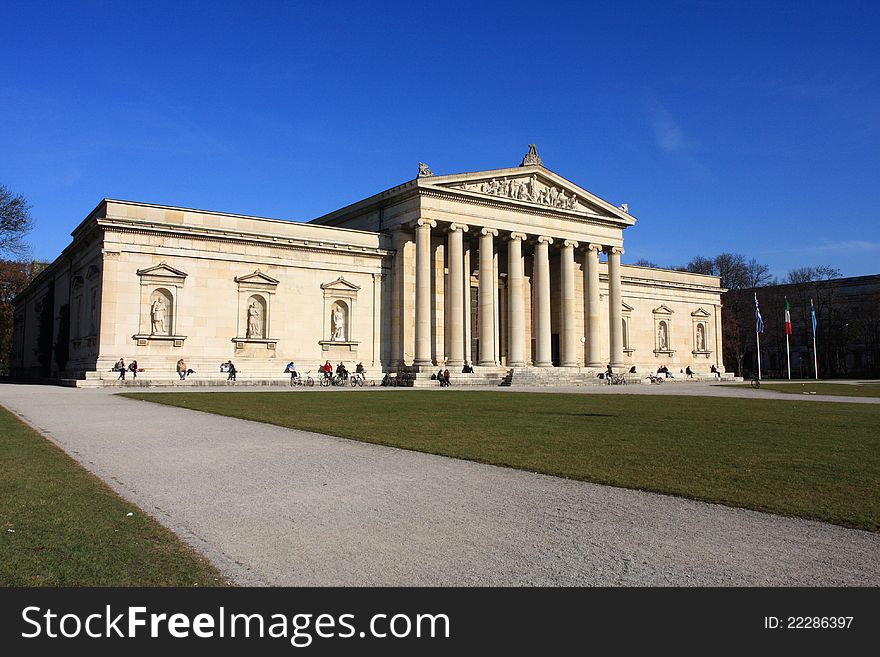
[517, 236]
[570, 244]
[592, 246]
[543, 239]
[423, 221]
[488, 231]
[617, 250]
[451, 228]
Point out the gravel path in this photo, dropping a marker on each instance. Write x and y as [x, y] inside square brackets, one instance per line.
[281, 507]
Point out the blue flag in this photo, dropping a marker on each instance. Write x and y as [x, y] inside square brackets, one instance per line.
[813, 313]
[759, 321]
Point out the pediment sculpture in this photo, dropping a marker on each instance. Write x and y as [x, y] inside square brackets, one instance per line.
[528, 189]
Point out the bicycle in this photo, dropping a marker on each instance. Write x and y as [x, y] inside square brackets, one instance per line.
[357, 379]
[656, 378]
[302, 381]
[756, 383]
[617, 380]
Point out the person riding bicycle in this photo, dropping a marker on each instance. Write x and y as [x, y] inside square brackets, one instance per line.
[359, 369]
[327, 370]
[342, 372]
[291, 369]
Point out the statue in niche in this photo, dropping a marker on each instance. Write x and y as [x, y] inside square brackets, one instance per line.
[158, 311]
[701, 338]
[338, 323]
[662, 338]
[255, 321]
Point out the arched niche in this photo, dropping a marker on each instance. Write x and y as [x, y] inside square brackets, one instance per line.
[161, 311]
[161, 303]
[339, 321]
[255, 317]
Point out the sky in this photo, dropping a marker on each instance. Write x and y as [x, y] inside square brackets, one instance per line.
[749, 127]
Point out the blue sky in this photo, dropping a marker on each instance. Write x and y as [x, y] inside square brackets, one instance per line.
[747, 127]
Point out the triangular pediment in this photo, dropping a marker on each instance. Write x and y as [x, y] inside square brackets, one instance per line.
[626, 307]
[701, 312]
[257, 277]
[663, 309]
[530, 186]
[340, 284]
[162, 270]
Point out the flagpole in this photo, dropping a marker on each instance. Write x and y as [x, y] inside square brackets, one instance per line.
[788, 356]
[758, 338]
[815, 352]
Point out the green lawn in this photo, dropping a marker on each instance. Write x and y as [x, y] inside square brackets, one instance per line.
[809, 459]
[806, 388]
[61, 526]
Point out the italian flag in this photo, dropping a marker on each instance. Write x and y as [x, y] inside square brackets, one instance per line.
[787, 317]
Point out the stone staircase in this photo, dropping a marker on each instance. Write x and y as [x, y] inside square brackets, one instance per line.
[544, 377]
[482, 376]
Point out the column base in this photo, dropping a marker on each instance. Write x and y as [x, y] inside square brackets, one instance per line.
[596, 363]
[549, 363]
[487, 363]
[571, 364]
[423, 363]
[455, 364]
[618, 364]
[521, 363]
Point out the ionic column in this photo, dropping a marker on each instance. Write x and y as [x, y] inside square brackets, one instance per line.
[487, 296]
[455, 335]
[615, 301]
[543, 355]
[569, 323]
[516, 311]
[591, 299]
[423, 291]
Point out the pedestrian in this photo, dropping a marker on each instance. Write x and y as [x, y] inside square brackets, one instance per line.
[120, 367]
[181, 369]
[133, 368]
[446, 377]
[232, 371]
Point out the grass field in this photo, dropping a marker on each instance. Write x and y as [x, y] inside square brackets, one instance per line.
[61, 526]
[807, 388]
[809, 459]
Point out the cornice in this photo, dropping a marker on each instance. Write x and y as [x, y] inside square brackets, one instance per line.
[233, 237]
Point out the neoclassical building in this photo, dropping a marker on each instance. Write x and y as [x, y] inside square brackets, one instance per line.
[511, 269]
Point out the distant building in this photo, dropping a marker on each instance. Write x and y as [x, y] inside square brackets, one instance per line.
[847, 333]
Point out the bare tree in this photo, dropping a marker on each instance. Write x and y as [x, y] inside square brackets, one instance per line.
[15, 223]
[644, 262]
[757, 274]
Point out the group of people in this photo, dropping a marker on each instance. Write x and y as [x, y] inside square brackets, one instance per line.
[122, 368]
[443, 377]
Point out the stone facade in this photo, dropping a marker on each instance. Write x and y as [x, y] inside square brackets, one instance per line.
[513, 267]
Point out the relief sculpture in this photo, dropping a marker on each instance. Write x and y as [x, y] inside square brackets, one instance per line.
[525, 189]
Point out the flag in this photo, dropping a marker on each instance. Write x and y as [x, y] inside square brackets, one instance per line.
[759, 322]
[787, 317]
[813, 314]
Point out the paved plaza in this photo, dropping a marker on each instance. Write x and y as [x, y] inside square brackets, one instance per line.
[275, 506]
